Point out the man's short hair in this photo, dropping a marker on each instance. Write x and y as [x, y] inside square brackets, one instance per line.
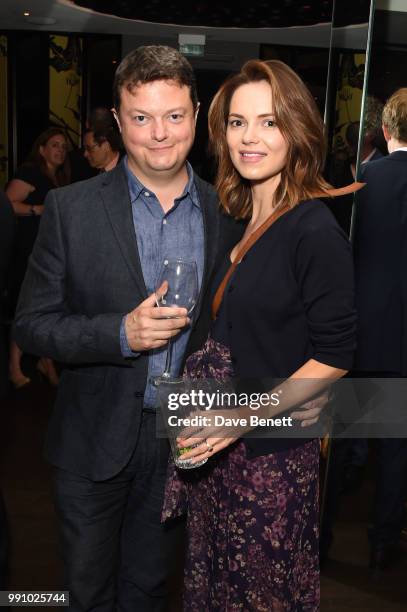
[99, 118]
[395, 115]
[153, 63]
[107, 134]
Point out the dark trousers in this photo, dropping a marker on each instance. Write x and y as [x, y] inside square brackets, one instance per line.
[116, 551]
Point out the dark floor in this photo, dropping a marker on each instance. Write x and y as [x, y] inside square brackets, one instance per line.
[34, 564]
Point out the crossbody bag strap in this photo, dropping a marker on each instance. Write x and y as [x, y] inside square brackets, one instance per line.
[217, 300]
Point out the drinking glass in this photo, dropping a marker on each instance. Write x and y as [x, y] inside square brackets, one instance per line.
[182, 279]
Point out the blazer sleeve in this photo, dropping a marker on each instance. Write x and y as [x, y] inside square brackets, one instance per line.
[43, 325]
[324, 271]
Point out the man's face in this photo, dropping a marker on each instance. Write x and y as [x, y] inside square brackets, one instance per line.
[157, 123]
[97, 155]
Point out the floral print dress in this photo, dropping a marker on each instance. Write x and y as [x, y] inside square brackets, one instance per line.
[252, 524]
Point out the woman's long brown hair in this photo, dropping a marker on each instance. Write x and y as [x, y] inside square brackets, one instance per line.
[298, 119]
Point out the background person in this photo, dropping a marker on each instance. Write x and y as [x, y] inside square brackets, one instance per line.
[380, 251]
[103, 148]
[45, 169]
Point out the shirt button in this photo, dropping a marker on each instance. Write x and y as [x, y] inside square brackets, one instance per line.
[165, 222]
[146, 194]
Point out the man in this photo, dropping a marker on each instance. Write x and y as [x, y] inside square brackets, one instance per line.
[380, 245]
[88, 300]
[102, 148]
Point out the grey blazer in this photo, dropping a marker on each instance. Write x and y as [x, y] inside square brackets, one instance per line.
[84, 275]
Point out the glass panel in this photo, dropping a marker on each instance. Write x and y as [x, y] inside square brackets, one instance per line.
[65, 84]
[348, 70]
[388, 57]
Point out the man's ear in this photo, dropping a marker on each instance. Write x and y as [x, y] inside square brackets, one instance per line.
[197, 111]
[116, 116]
[386, 133]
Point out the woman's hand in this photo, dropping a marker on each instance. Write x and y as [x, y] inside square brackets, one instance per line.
[222, 428]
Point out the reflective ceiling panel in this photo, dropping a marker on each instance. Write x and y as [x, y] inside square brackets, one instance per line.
[235, 13]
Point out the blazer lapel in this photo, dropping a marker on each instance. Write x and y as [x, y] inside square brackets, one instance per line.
[116, 200]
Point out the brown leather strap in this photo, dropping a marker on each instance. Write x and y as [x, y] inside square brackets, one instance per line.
[217, 300]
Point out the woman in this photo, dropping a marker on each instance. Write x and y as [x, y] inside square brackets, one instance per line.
[286, 311]
[45, 169]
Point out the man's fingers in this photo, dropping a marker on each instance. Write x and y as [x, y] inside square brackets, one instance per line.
[308, 422]
[306, 414]
[154, 298]
[162, 312]
[161, 291]
[165, 323]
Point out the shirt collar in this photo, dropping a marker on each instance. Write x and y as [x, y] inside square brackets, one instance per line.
[136, 187]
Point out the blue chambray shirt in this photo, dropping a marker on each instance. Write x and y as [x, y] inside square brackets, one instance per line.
[179, 233]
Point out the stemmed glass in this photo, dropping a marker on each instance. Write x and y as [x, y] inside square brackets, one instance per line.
[182, 279]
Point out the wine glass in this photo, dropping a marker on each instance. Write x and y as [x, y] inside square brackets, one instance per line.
[182, 279]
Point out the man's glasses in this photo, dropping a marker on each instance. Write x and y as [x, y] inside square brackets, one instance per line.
[90, 148]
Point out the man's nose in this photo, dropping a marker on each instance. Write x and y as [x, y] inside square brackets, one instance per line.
[159, 131]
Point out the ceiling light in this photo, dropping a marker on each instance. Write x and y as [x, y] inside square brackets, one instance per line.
[192, 44]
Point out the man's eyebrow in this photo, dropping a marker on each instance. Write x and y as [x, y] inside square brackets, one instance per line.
[167, 112]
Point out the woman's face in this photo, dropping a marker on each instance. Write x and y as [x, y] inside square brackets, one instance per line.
[256, 146]
[54, 151]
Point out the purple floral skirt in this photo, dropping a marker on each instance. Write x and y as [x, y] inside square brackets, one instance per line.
[252, 524]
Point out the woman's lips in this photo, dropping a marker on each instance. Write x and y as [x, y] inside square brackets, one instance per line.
[251, 157]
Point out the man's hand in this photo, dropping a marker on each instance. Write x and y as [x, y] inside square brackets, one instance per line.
[310, 411]
[149, 326]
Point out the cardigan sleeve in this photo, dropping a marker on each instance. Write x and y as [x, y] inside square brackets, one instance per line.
[324, 272]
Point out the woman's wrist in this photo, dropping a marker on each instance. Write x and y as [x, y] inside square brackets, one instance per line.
[36, 209]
